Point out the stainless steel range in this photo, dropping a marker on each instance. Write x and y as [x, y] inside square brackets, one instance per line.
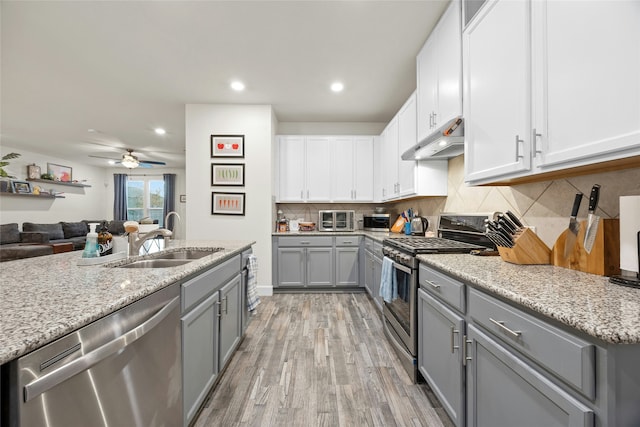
[458, 234]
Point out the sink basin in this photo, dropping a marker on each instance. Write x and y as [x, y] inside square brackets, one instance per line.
[156, 263]
[186, 254]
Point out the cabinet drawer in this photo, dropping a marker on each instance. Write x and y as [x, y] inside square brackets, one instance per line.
[199, 287]
[347, 240]
[569, 357]
[305, 241]
[446, 288]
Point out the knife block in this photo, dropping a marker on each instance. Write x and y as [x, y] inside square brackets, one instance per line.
[604, 258]
[527, 249]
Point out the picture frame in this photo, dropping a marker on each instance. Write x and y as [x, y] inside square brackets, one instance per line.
[227, 146]
[21, 187]
[227, 174]
[59, 172]
[227, 203]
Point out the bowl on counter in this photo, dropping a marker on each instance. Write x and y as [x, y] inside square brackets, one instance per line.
[306, 226]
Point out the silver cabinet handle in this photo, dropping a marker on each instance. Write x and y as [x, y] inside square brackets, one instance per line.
[534, 138]
[63, 373]
[500, 324]
[518, 141]
[305, 242]
[354, 194]
[347, 242]
[219, 304]
[433, 285]
[465, 351]
[430, 121]
[226, 305]
[435, 122]
[301, 194]
[453, 332]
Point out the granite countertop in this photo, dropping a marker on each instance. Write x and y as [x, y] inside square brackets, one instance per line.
[586, 302]
[46, 297]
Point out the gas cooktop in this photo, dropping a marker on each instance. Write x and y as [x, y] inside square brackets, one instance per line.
[426, 245]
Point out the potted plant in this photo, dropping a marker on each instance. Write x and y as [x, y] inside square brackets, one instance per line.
[3, 163]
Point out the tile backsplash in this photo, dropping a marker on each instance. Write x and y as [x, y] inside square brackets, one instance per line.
[545, 205]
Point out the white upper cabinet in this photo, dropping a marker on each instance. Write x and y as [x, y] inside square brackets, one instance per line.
[325, 169]
[439, 72]
[562, 91]
[390, 159]
[586, 80]
[352, 169]
[406, 182]
[496, 95]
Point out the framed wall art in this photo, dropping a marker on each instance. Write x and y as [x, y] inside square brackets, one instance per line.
[227, 146]
[227, 174]
[59, 172]
[227, 203]
[21, 187]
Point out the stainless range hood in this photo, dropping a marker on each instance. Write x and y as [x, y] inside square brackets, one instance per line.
[446, 142]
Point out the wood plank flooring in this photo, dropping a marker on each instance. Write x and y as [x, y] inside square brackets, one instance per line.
[318, 360]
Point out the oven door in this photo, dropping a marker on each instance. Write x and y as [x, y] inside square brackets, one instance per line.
[401, 313]
[343, 221]
[326, 221]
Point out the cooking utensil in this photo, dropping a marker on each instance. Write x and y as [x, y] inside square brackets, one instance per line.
[574, 227]
[593, 219]
[514, 219]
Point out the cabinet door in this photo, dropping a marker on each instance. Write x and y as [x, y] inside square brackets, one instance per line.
[497, 91]
[377, 275]
[449, 62]
[230, 319]
[427, 87]
[363, 163]
[406, 140]
[199, 354]
[503, 390]
[319, 266]
[291, 266]
[342, 164]
[318, 173]
[368, 273]
[439, 354]
[587, 80]
[390, 160]
[347, 266]
[291, 169]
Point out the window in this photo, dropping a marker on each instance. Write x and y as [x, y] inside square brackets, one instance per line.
[145, 198]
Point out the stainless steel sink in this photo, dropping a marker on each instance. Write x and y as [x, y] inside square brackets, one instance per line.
[156, 263]
[189, 254]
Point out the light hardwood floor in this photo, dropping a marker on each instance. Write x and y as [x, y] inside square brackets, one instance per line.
[318, 360]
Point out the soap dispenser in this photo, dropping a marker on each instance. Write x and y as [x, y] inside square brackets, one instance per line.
[105, 241]
[91, 245]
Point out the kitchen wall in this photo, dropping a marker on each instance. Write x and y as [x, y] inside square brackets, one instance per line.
[545, 205]
[78, 204]
[330, 128]
[256, 123]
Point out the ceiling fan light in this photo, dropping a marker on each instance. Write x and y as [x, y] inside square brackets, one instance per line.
[129, 161]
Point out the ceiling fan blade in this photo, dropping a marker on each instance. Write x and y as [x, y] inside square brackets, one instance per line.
[101, 157]
[152, 162]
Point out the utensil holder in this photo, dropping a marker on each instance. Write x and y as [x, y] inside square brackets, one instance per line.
[604, 258]
[528, 249]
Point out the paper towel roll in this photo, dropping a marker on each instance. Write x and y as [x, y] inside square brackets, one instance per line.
[629, 227]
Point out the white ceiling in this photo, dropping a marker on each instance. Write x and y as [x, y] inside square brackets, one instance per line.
[123, 68]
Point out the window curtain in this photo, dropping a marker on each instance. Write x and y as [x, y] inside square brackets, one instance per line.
[169, 198]
[120, 197]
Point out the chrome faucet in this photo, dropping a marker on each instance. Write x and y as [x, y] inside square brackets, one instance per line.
[136, 241]
[166, 219]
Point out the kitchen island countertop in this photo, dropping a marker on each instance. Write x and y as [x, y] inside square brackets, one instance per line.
[586, 302]
[44, 298]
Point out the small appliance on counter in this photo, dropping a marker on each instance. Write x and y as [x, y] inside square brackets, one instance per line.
[336, 220]
[419, 226]
[376, 222]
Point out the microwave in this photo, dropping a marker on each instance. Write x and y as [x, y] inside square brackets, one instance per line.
[336, 220]
[376, 222]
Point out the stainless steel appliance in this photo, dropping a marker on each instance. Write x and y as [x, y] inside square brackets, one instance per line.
[464, 233]
[419, 225]
[336, 220]
[376, 222]
[122, 370]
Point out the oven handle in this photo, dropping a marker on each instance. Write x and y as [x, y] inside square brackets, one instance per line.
[401, 267]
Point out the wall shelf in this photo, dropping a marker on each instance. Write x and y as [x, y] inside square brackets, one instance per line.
[68, 184]
[37, 196]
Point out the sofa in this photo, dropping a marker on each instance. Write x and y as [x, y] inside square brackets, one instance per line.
[45, 239]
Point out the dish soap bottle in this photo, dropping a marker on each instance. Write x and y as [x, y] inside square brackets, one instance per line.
[91, 245]
[105, 241]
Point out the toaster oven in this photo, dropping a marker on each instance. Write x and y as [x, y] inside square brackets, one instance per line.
[336, 220]
[376, 222]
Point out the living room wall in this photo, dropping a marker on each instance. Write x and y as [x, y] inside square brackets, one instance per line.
[77, 204]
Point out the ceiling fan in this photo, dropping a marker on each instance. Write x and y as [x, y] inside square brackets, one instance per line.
[131, 162]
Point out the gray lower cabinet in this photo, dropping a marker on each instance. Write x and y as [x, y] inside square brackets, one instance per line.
[503, 390]
[373, 269]
[303, 262]
[319, 266]
[347, 261]
[211, 330]
[440, 339]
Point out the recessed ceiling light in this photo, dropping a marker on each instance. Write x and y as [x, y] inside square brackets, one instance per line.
[238, 86]
[337, 87]
[160, 131]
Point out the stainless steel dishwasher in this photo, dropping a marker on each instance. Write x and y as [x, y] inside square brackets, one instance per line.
[122, 370]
